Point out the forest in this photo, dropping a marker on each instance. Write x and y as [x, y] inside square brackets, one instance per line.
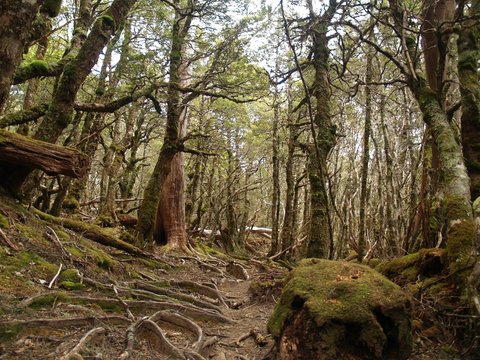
[249, 179]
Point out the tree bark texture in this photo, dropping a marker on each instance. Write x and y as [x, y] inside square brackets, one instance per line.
[469, 57]
[320, 238]
[150, 213]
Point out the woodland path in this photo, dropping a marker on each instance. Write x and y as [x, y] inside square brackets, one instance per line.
[195, 310]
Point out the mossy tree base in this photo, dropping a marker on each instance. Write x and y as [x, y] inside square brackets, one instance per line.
[339, 310]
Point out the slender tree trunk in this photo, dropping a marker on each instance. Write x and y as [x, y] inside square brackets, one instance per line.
[365, 157]
[275, 209]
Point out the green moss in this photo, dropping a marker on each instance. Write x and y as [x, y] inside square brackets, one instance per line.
[71, 275]
[48, 300]
[8, 333]
[70, 204]
[51, 7]
[333, 290]
[397, 265]
[456, 208]
[108, 21]
[460, 243]
[373, 263]
[71, 285]
[75, 251]
[33, 68]
[4, 224]
[468, 61]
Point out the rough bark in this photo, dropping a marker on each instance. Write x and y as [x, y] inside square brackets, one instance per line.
[320, 236]
[147, 229]
[468, 59]
[16, 21]
[365, 157]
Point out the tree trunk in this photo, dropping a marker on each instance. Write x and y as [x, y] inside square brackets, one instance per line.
[150, 212]
[365, 157]
[468, 59]
[15, 25]
[320, 238]
[170, 227]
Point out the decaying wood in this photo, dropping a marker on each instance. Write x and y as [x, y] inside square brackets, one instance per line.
[260, 340]
[88, 337]
[53, 159]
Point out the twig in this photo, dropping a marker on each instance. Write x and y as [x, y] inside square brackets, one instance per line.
[57, 241]
[7, 241]
[125, 305]
[55, 277]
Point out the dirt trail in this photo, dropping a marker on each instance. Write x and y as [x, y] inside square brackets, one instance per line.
[206, 314]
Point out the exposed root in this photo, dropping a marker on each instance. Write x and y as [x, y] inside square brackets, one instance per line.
[179, 320]
[79, 348]
[54, 237]
[182, 297]
[155, 335]
[207, 291]
[140, 305]
[61, 322]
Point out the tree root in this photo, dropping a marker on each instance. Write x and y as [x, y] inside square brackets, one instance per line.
[179, 320]
[207, 291]
[96, 233]
[171, 294]
[186, 309]
[61, 323]
[89, 336]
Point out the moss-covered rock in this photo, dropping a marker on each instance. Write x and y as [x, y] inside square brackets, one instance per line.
[340, 310]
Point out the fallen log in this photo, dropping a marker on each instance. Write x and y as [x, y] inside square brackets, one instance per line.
[20, 150]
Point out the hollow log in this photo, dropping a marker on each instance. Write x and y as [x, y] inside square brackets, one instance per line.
[18, 150]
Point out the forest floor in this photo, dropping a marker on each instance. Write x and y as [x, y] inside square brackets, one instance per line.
[63, 296]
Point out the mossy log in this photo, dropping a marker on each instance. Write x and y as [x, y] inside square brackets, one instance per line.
[340, 310]
[33, 154]
[93, 232]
